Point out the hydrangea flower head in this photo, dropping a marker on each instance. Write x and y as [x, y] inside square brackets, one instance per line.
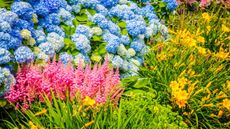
[65, 58]
[5, 56]
[117, 61]
[56, 40]
[136, 27]
[82, 43]
[171, 4]
[97, 31]
[121, 51]
[85, 30]
[23, 9]
[47, 48]
[41, 9]
[9, 17]
[53, 19]
[137, 45]
[24, 55]
[25, 34]
[5, 27]
[89, 3]
[64, 14]
[109, 3]
[53, 5]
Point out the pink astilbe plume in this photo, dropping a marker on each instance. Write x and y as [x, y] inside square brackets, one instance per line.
[101, 83]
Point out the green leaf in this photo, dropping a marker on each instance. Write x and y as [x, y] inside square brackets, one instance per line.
[142, 82]
[102, 49]
[2, 103]
[75, 22]
[74, 53]
[68, 43]
[162, 4]
[96, 38]
[92, 11]
[89, 23]
[82, 18]
[124, 32]
[122, 24]
[114, 19]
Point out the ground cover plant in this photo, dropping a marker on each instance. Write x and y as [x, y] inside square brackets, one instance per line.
[114, 64]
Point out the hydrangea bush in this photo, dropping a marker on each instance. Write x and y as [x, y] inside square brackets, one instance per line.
[37, 30]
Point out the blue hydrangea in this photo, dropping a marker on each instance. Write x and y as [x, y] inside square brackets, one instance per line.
[5, 56]
[117, 61]
[81, 42]
[23, 24]
[9, 17]
[147, 9]
[40, 36]
[2, 10]
[137, 45]
[109, 3]
[64, 14]
[69, 8]
[101, 9]
[52, 5]
[140, 59]
[23, 9]
[89, 3]
[65, 58]
[6, 81]
[76, 8]
[122, 12]
[56, 29]
[53, 19]
[151, 16]
[171, 4]
[43, 56]
[100, 20]
[24, 55]
[136, 27]
[134, 8]
[47, 48]
[81, 57]
[5, 38]
[15, 40]
[56, 40]
[114, 28]
[85, 30]
[125, 39]
[113, 42]
[133, 69]
[5, 27]
[112, 46]
[41, 9]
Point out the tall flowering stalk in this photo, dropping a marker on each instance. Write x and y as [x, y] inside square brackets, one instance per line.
[101, 83]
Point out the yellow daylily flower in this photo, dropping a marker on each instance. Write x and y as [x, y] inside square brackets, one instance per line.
[88, 101]
[206, 17]
[225, 29]
[226, 104]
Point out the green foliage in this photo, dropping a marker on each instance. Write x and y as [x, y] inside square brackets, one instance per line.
[134, 111]
[5, 3]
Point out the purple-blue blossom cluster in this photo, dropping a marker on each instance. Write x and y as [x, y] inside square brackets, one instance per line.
[33, 29]
[126, 50]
